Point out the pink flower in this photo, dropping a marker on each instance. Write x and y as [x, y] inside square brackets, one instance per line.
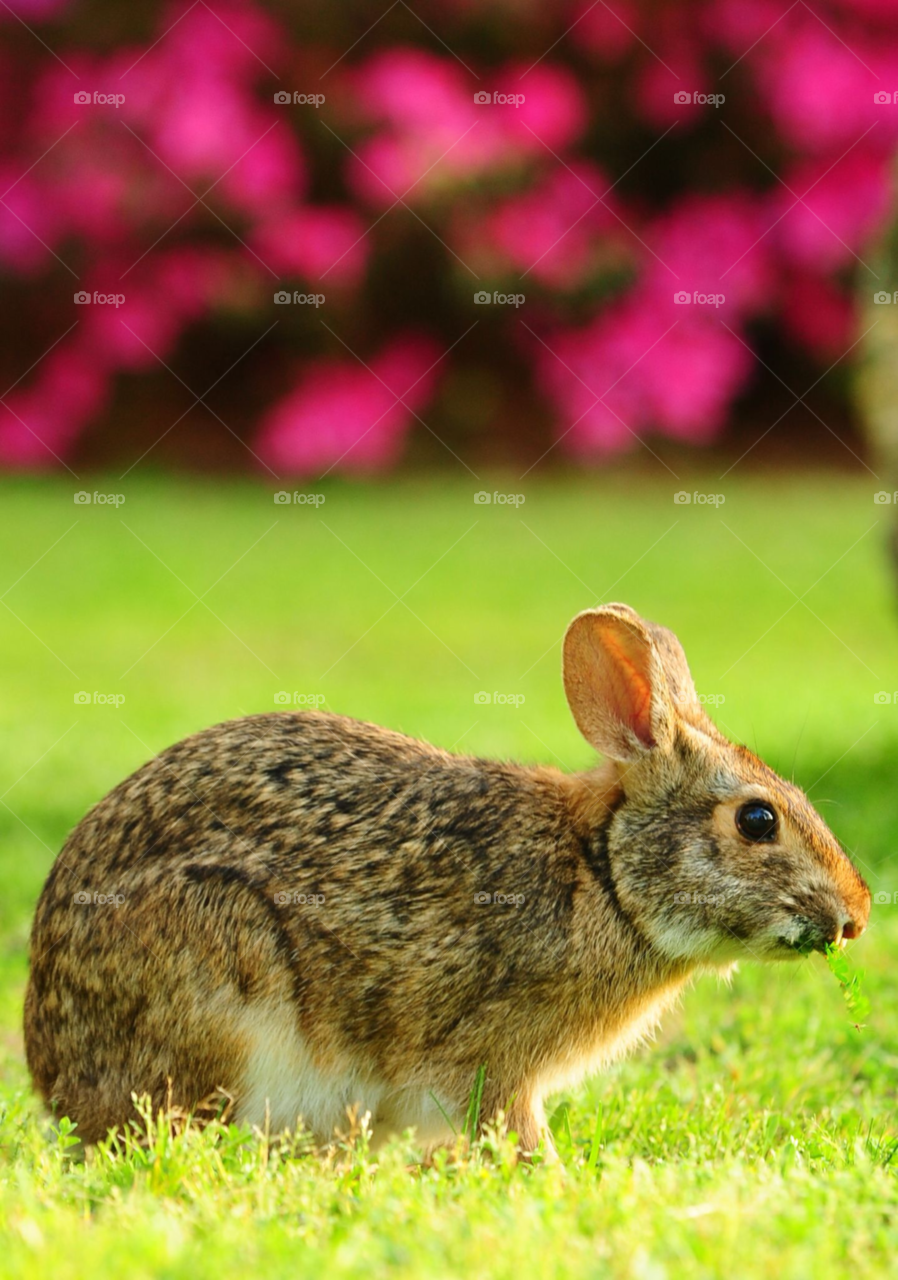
[193, 279]
[29, 226]
[424, 112]
[210, 127]
[33, 10]
[711, 245]
[90, 176]
[818, 91]
[629, 371]
[161, 298]
[598, 409]
[386, 168]
[556, 230]
[344, 415]
[93, 190]
[269, 174]
[607, 30]
[323, 243]
[659, 83]
[881, 9]
[414, 91]
[842, 204]
[741, 24]
[692, 376]
[39, 425]
[819, 314]
[136, 335]
[238, 40]
[54, 95]
[552, 114]
[192, 99]
[437, 132]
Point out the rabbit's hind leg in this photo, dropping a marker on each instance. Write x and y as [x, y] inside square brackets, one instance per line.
[149, 996]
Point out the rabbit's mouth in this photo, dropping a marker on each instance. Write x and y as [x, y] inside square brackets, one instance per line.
[806, 947]
[809, 937]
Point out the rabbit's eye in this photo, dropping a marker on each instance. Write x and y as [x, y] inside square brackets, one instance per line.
[756, 821]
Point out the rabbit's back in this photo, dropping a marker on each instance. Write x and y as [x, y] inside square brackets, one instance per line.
[306, 801]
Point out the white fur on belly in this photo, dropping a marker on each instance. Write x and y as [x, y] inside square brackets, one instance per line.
[282, 1087]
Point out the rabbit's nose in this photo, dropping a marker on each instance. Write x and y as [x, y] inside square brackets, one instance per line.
[847, 931]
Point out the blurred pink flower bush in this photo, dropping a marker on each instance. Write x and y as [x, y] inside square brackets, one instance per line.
[343, 414]
[649, 230]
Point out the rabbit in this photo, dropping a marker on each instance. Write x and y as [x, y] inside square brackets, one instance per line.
[310, 914]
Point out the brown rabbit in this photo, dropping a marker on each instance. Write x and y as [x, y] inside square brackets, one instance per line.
[310, 913]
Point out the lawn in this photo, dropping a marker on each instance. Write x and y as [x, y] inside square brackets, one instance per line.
[755, 1136]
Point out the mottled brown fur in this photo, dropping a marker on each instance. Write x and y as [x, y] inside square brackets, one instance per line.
[320, 876]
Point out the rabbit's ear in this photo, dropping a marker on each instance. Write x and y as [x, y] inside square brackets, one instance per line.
[673, 660]
[615, 683]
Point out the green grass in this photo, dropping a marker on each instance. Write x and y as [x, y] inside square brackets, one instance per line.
[755, 1137]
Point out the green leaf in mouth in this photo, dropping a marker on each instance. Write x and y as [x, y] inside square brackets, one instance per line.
[858, 1004]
